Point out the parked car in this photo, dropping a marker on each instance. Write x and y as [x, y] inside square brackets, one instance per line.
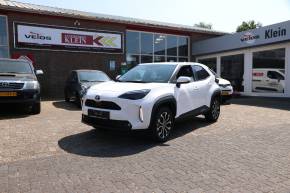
[19, 84]
[268, 80]
[152, 96]
[79, 81]
[226, 88]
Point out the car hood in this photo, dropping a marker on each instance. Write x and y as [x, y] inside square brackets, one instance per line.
[223, 81]
[16, 77]
[122, 87]
[89, 84]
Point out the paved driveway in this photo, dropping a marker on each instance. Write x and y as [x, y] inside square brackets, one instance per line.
[248, 150]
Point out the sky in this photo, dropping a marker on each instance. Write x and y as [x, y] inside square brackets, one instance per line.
[224, 15]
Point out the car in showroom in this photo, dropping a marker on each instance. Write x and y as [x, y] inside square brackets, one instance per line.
[19, 84]
[268, 80]
[151, 96]
[79, 81]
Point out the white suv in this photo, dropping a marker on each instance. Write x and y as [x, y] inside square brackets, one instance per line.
[152, 96]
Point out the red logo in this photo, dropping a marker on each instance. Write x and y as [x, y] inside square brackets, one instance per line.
[80, 39]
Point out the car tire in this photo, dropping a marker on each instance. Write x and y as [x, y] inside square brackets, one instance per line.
[162, 124]
[36, 108]
[213, 114]
[66, 96]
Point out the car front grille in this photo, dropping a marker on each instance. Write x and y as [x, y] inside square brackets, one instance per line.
[11, 85]
[102, 105]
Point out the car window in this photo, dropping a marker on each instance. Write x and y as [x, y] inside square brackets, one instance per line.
[185, 71]
[19, 67]
[200, 73]
[275, 75]
[149, 73]
[93, 76]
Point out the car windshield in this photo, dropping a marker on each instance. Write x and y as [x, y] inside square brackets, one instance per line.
[149, 73]
[19, 67]
[93, 76]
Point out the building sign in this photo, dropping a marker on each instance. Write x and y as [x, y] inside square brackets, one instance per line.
[47, 37]
[276, 33]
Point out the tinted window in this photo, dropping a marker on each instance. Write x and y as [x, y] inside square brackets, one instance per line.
[133, 42]
[3, 38]
[185, 71]
[149, 73]
[275, 75]
[159, 44]
[15, 67]
[232, 69]
[171, 45]
[93, 76]
[146, 43]
[200, 73]
[183, 46]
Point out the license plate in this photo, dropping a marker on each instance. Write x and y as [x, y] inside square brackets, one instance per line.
[8, 94]
[225, 93]
[99, 114]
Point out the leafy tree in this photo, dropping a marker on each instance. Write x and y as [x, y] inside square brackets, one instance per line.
[203, 25]
[248, 25]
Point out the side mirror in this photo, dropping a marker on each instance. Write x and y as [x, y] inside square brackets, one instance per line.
[117, 77]
[38, 72]
[182, 80]
[217, 80]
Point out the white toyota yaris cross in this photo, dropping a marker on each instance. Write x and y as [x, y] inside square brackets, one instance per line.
[151, 96]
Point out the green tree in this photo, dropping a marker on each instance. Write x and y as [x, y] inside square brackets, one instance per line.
[203, 25]
[248, 25]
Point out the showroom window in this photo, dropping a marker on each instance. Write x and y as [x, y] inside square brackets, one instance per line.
[145, 47]
[232, 69]
[209, 62]
[4, 49]
[269, 71]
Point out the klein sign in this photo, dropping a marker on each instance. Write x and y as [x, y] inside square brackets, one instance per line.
[47, 37]
[271, 34]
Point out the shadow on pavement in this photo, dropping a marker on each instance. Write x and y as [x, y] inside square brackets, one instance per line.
[13, 111]
[97, 143]
[70, 106]
[275, 103]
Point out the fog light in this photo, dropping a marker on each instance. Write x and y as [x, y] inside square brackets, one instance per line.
[141, 115]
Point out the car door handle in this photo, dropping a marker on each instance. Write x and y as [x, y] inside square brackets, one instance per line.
[195, 88]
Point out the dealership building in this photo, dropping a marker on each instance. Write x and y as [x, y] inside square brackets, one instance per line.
[60, 40]
[257, 62]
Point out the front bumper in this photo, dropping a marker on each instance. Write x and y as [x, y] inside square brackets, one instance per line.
[107, 124]
[129, 112]
[23, 96]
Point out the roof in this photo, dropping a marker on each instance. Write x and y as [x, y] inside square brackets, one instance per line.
[47, 10]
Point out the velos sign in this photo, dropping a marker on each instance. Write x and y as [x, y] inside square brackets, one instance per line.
[47, 37]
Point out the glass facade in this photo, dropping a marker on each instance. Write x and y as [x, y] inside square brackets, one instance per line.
[209, 62]
[232, 69]
[145, 47]
[4, 50]
[269, 71]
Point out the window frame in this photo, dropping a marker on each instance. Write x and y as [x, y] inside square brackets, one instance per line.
[7, 33]
[195, 73]
[153, 53]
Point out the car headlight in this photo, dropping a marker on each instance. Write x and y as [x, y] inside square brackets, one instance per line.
[135, 95]
[31, 85]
